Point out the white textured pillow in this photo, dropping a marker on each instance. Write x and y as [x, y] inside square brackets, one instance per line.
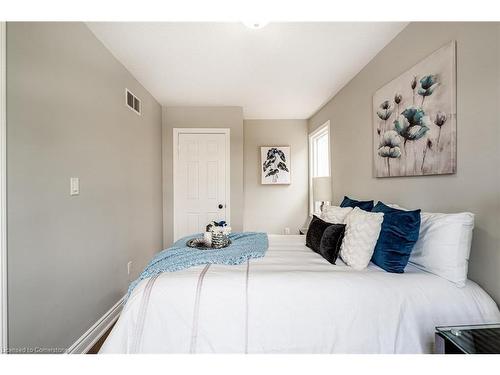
[335, 214]
[443, 245]
[361, 234]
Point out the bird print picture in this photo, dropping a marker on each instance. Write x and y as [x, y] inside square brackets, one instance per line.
[414, 119]
[275, 165]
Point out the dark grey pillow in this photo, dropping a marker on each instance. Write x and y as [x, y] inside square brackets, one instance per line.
[315, 232]
[331, 240]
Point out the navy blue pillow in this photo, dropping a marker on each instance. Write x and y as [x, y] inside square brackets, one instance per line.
[397, 238]
[364, 205]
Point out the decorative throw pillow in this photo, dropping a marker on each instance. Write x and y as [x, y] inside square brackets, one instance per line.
[364, 205]
[315, 232]
[331, 240]
[335, 214]
[443, 245]
[397, 238]
[361, 234]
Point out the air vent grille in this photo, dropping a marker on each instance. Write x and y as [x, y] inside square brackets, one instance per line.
[133, 102]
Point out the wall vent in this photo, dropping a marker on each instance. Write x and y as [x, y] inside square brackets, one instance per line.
[133, 102]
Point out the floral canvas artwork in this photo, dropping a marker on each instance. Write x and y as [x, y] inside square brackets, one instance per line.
[275, 165]
[414, 119]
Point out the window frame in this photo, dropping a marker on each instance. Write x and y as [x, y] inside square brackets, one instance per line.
[313, 136]
[3, 189]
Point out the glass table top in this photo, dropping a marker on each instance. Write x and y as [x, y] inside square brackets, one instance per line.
[474, 339]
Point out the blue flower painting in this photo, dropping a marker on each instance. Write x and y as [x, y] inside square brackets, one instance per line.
[414, 119]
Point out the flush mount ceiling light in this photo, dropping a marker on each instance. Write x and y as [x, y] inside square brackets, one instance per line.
[255, 24]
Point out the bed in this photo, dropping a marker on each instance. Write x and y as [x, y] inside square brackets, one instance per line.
[293, 301]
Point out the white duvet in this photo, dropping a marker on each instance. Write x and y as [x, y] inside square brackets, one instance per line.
[293, 301]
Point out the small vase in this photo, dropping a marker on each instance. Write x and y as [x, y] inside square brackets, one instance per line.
[219, 240]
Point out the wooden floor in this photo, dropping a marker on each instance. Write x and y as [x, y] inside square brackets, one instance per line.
[97, 346]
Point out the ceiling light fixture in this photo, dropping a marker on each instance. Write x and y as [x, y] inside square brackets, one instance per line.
[255, 24]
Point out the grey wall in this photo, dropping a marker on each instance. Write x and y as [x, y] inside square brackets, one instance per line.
[271, 208]
[67, 256]
[476, 185]
[203, 117]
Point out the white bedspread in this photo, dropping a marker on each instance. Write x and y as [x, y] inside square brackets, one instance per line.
[293, 301]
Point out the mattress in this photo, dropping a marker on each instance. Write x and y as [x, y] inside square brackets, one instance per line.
[293, 301]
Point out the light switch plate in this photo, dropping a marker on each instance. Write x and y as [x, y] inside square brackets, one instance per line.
[74, 188]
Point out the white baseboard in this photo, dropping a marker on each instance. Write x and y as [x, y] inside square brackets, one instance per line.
[94, 333]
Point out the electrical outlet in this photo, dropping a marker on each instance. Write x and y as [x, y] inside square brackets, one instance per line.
[129, 267]
[287, 230]
[74, 188]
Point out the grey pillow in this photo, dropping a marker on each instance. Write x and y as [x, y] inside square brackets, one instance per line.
[331, 240]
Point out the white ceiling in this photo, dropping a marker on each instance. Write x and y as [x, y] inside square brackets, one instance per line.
[284, 70]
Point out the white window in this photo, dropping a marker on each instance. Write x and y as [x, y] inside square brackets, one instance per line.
[319, 159]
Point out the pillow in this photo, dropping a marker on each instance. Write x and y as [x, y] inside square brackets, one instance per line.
[443, 245]
[392, 205]
[329, 247]
[364, 205]
[397, 238]
[335, 214]
[361, 234]
[315, 232]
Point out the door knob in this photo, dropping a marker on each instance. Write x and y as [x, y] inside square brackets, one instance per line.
[221, 206]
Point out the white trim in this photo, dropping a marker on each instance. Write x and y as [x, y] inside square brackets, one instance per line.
[175, 147]
[321, 129]
[3, 190]
[94, 333]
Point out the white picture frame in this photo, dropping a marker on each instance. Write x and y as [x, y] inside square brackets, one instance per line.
[275, 166]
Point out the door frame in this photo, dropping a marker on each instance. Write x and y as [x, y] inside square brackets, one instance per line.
[3, 189]
[175, 148]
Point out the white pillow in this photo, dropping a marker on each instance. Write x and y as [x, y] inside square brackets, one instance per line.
[335, 214]
[361, 234]
[443, 245]
[392, 205]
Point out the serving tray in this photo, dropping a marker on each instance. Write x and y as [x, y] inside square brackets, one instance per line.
[199, 243]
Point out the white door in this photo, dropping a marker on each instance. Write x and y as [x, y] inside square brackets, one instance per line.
[201, 181]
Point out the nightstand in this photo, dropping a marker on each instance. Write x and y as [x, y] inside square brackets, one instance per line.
[472, 339]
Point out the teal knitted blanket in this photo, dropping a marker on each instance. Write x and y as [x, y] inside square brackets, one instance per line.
[245, 245]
